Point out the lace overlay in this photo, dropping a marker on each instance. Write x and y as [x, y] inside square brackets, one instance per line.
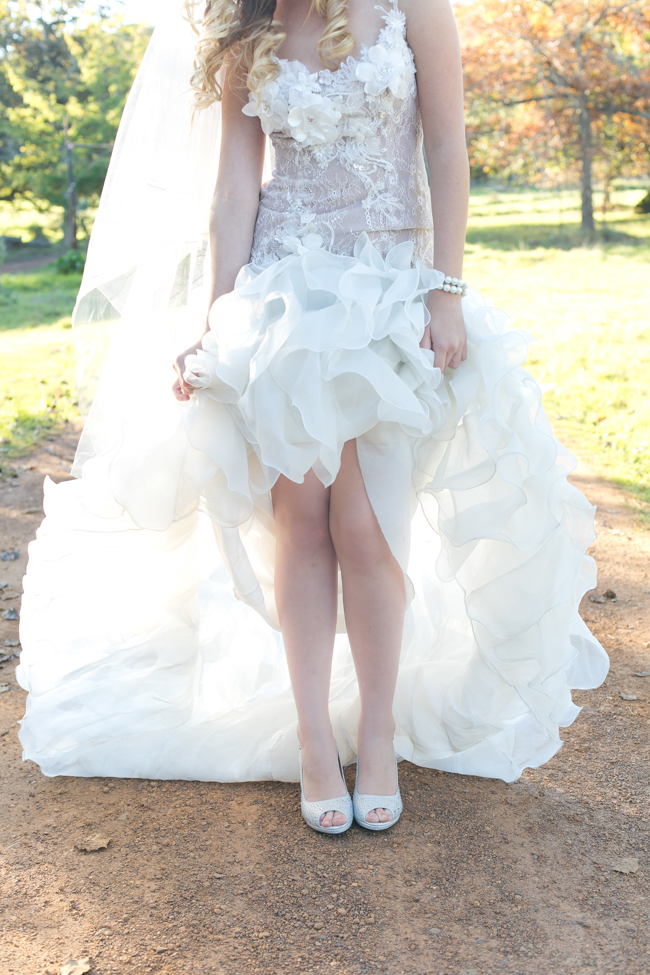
[348, 153]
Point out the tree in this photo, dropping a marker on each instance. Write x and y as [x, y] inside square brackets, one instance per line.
[558, 83]
[53, 69]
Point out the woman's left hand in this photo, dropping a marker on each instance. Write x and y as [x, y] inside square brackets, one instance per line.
[445, 334]
[180, 389]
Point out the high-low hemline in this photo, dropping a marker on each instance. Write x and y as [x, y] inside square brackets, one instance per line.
[149, 628]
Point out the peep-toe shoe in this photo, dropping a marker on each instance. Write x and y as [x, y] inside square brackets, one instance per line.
[365, 804]
[313, 811]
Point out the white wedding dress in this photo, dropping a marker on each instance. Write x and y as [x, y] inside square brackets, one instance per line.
[149, 630]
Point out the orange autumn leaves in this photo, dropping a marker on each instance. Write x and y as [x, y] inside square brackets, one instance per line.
[557, 87]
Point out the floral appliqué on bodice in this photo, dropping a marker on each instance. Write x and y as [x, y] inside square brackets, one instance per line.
[348, 153]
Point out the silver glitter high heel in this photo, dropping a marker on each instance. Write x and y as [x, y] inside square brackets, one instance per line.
[312, 812]
[365, 804]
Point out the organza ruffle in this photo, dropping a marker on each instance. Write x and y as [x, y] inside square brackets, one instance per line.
[140, 660]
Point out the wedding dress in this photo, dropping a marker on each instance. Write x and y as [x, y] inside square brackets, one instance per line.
[150, 637]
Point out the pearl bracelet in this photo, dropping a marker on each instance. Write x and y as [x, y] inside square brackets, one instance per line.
[454, 286]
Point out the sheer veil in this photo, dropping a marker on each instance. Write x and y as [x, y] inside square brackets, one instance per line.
[144, 291]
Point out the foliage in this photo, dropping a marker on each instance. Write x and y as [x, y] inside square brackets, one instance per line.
[50, 67]
[21, 219]
[557, 86]
[72, 262]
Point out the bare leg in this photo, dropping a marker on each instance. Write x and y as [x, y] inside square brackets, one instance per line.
[374, 600]
[305, 587]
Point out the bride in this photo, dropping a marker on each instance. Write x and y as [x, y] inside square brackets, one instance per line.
[353, 445]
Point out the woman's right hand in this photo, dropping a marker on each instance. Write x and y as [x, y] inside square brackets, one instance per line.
[180, 389]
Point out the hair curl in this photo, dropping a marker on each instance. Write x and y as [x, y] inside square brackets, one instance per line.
[245, 35]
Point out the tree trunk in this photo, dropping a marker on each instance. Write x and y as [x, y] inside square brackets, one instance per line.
[587, 155]
[71, 230]
[607, 201]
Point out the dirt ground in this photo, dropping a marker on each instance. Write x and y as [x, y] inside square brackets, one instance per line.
[478, 877]
[28, 262]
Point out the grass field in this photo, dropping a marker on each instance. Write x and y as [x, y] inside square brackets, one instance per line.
[589, 310]
[587, 306]
[37, 386]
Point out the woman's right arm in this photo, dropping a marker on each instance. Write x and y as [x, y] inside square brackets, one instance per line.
[234, 206]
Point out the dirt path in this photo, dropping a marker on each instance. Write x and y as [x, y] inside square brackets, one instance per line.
[478, 878]
[20, 267]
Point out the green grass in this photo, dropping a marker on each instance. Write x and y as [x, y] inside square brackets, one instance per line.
[524, 218]
[36, 298]
[37, 385]
[587, 306]
[589, 309]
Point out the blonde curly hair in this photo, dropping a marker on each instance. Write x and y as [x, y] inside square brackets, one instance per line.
[245, 35]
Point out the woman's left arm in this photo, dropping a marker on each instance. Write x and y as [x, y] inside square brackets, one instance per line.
[433, 38]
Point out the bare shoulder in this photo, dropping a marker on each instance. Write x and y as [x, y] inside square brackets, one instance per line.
[429, 22]
[432, 36]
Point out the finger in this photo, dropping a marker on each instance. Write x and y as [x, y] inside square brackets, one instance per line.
[179, 392]
[455, 360]
[464, 355]
[441, 357]
[182, 384]
[179, 365]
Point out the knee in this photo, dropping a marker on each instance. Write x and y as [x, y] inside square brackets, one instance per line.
[358, 540]
[304, 532]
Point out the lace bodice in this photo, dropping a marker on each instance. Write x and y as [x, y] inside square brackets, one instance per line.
[348, 153]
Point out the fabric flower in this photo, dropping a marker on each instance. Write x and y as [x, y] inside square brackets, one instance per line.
[305, 239]
[313, 118]
[357, 127]
[395, 22]
[356, 122]
[269, 106]
[384, 70]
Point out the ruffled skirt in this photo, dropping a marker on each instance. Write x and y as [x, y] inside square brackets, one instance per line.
[150, 638]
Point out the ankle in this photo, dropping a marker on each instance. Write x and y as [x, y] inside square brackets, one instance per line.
[316, 737]
[376, 732]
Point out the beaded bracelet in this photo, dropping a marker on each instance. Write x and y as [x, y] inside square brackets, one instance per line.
[454, 286]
